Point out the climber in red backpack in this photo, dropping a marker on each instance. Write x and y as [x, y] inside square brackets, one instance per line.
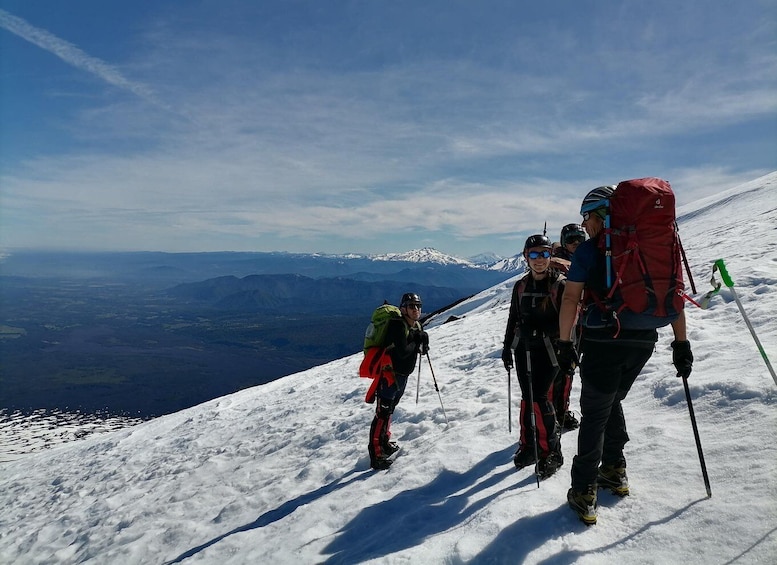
[629, 278]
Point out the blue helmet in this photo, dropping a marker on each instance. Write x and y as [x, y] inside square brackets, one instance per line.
[599, 197]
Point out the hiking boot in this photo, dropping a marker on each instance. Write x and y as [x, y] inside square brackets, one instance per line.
[380, 463]
[614, 478]
[569, 422]
[523, 458]
[584, 504]
[390, 448]
[549, 465]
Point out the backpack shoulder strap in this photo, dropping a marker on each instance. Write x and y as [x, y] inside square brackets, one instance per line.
[521, 284]
[520, 290]
[556, 281]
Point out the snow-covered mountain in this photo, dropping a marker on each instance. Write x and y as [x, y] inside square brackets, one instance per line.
[423, 255]
[509, 264]
[485, 259]
[279, 473]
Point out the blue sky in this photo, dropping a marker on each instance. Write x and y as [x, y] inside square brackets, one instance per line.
[366, 126]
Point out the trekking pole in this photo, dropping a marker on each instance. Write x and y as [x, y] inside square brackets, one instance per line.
[437, 388]
[418, 382]
[556, 370]
[533, 418]
[509, 405]
[685, 261]
[696, 437]
[730, 284]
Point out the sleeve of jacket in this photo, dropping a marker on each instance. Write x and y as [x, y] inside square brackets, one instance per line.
[513, 318]
[403, 344]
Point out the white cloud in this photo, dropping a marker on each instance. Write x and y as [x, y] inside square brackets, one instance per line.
[74, 56]
[288, 141]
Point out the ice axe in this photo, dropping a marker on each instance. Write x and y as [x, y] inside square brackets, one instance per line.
[721, 266]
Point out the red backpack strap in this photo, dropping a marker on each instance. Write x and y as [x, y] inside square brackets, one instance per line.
[555, 283]
[591, 296]
[520, 288]
[631, 253]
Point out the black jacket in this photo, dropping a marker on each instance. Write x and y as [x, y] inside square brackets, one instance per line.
[534, 310]
[402, 348]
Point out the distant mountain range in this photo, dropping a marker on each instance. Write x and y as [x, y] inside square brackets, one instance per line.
[362, 282]
[147, 333]
[291, 293]
[488, 261]
[421, 266]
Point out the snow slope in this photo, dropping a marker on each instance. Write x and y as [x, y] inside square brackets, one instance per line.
[279, 473]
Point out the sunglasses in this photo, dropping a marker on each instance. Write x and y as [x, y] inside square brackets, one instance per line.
[413, 306]
[576, 239]
[539, 254]
[591, 214]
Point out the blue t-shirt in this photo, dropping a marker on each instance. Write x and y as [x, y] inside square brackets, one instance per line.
[588, 267]
[584, 262]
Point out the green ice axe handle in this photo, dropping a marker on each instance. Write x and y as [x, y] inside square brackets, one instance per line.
[724, 273]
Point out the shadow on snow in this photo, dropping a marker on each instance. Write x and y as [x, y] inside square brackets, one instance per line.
[414, 515]
[279, 513]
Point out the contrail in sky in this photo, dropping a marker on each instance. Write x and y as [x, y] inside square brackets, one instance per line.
[73, 55]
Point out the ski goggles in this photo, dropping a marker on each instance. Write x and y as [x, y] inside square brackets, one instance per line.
[601, 212]
[539, 254]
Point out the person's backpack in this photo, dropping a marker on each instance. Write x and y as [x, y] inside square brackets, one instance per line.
[377, 362]
[559, 264]
[375, 334]
[643, 253]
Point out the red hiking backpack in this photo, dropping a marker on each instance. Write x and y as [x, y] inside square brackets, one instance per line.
[643, 251]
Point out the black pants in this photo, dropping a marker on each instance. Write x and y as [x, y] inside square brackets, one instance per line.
[542, 375]
[387, 398]
[607, 371]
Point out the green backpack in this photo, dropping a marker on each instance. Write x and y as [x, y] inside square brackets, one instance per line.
[376, 330]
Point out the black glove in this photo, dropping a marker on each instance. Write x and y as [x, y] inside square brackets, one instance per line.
[682, 358]
[507, 357]
[421, 338]
[566, 356]
[424, 343]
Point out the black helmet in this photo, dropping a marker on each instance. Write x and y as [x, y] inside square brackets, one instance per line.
[538, 241]
[410, 298]
[571, 230]
[597, 198]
